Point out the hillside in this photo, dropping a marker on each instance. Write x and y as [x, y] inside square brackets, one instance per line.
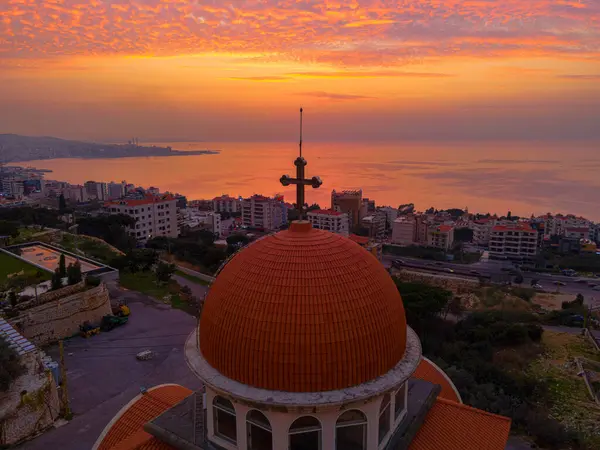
[15, 148]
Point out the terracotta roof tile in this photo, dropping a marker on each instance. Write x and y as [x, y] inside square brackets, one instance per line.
[362, 240]
[427, 370]
[303, 310]
[127, 432]
[325, 212]
[452, 426]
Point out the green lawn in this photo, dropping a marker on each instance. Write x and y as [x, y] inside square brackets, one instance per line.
[9, 265]
[145, 282]
[192, 278]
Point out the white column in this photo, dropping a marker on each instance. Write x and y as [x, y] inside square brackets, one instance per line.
[241, 411]
[328, 421]
[280, 424]
[372, 412]
[210, 395]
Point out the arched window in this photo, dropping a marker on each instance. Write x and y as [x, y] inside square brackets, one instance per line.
[224, 419]
[400, 401]
[384, 417]
[258, 427]
[305, 434]
[351, 431]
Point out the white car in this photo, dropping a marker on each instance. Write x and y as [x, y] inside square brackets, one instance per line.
[596, 288]
[537, 286]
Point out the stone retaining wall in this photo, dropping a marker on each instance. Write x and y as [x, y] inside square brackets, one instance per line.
[61, 318]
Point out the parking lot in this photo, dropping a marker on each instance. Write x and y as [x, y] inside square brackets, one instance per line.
[103, 373]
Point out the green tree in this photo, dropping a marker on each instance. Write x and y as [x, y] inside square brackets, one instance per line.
[518, 279]
[10, 366]
[56, 280]
[62, 204]
[9, 229]
[12, 299]
[422, 302]
[164, 272]
[62, 266]
[74, 273]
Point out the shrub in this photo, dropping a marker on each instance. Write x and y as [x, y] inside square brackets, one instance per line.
[10, 366]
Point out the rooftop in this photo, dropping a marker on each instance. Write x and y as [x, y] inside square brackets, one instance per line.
[513, 227]
[148, 199]
[326, 212]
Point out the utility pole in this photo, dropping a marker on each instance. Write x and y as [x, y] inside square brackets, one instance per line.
[66, 409]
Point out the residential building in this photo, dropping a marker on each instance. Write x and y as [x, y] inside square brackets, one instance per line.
[370, 205]
[153, 190]
[513, 240]
[576, 232]
[202, 205]
[329, 220]
[226, 204]
[116, 190]
[96, 190]
[482, 229]
[263, 212]
[441, 236]
[155, 215]
[588, 246]
[421, 229]
[76, 193]
[556, 225]
[375, 223]
[13, 186]
[194, 219]
[349, 202]
[391, 215]
[403, 231]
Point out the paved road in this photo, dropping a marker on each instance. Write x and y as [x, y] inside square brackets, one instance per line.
[198, 290]
[104, 375]
[494, 268]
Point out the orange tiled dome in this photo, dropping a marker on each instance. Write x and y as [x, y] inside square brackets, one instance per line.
[304, 310]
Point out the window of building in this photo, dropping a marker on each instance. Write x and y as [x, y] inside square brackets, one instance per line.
[384, 417]
[224, 419]
[400, 401]
[351, 431]
[260, 436]
[305, 434]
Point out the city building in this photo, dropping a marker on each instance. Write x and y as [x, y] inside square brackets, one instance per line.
[76, 193]
[263, 212]
[226, 204]
[422, 223]
[515, 240]
[194, 219]
[441, 236]
[281, 371]
[155, 215]
[403, 230]
[391, 215]
[96, 190]
[349, 202]
[329, 220]
[576, 232]
[116, 190]
[12, 186]
[482, 229]
[375, 223]
[556, 225]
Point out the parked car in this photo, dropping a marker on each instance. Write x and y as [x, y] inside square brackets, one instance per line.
[596, 288]
[537, 286]
[397, 263]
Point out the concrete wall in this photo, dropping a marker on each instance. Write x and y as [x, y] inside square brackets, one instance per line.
[61, 318]
[22, 417]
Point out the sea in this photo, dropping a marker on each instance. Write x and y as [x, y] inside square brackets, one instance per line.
[496, 177]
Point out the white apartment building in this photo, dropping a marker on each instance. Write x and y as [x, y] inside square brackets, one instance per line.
[390, 213]
[225, 203]
[403, 230]
[155, 215]
[263, 212]
[578, 232]
[375, 223]
[195, 219]
[555, 225]
[440, 236]
[329, 220]
[513, 241]
[76, 193]
[13, 186]
[482, 229]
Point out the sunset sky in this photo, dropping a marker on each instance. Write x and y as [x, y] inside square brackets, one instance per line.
[239, 70]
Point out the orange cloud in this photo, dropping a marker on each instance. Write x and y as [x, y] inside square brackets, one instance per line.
[336, 97]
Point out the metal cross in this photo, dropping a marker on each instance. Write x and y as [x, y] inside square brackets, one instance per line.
[300, 181]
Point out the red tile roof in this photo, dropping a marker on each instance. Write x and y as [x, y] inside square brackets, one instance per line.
[279, 314]
[361, 240]
[515, 227]
[445, 228]
[427, 370]
[452, 426]
[126, 433]
[326, 212]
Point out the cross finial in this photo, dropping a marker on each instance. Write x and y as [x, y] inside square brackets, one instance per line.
[300, 181]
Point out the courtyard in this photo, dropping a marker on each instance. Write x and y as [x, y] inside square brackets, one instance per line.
[104, 375]
[9, 265]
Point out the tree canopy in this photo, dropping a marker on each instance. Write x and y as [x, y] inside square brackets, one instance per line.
[10, 366]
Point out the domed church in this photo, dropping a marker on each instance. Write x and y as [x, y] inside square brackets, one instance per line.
[303, 345]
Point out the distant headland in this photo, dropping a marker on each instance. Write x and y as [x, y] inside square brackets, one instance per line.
[15, 148]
